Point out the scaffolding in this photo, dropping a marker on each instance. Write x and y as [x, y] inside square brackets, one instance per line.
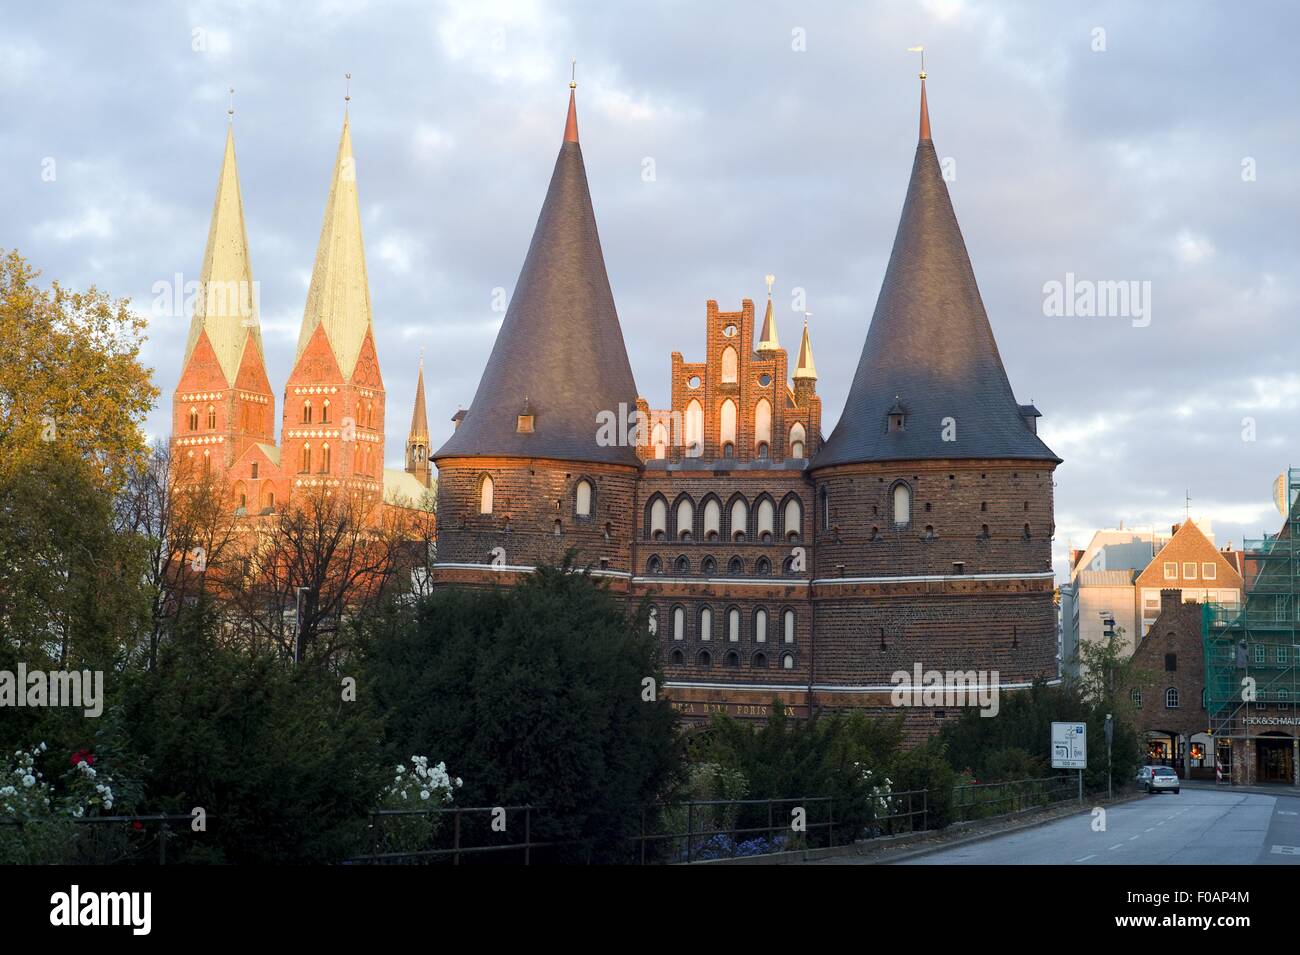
[1252, 653]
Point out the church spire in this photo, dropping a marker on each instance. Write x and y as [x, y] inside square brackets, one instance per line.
[805, 367]
[560, 352]
[338, 300]
[417, 441]
[226, 307]
[767, 340]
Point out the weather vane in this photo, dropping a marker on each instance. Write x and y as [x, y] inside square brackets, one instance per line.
[771, 280]
[573, 76]
[921, 50]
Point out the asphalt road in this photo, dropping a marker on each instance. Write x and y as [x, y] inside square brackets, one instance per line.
[1196, 827]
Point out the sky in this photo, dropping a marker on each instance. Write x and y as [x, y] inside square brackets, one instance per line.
[1149, 143]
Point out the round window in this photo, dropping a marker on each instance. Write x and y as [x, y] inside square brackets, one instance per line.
[694, 382]
[764, 380]
[729, 331]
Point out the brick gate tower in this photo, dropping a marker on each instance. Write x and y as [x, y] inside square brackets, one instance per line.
[933, 493]
[526, 475]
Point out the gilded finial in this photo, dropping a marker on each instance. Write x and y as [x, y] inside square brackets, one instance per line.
[921, 50]
[347, 88]
[573, 76]
[231, 111]
[771, 280]
[806, 316]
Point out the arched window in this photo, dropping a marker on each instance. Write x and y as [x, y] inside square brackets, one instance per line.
[682, 565]
[760, 660]
[705, 659]
[787, 661]
[739, 519]
[766, 520]
[760, 626]
[732, 659]
[1137, 697]
[793, 519]
[212, 417]
[678, 658]
[207, 462]
[658, 519]
[325, 458]
[654, 566]
[733, 625]
[902, 503]
[306, 412]
[659, 439]
[727, 423]
[365, 460]
[824, 499]
[736, 567]
[325, 411]
[194, 419]
[305, 465]
[797, 438]
[706, 624]
[370, 414]
[787, 619]
[712, 519]
[582, 499]
[685, 519]
[694, 429]
[762, 567]
[728, 365]
[708, 567]
[557, 528]
[762, 425]
[679, 623]
[486, 488]
[1171, 698]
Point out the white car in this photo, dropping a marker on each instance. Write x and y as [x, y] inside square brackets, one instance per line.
[1156, 779]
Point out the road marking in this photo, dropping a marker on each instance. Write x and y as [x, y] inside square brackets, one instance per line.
[1285, 850]
[1138, 836]
[1149, 829]
[1285, 812]
[1086, 858]
[1115, 846]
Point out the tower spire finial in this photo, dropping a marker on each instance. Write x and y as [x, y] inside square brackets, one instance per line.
[571, 122]
[231, 111]
[925, 108]
[347, 91]
[771, 280]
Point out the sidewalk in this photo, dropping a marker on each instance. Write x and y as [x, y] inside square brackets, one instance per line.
[1264, 789]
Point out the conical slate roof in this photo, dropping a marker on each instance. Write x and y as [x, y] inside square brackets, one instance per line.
[560, 349]
[930, 348]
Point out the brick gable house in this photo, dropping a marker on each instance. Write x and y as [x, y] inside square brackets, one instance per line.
[1191, 564]
[1168, 689]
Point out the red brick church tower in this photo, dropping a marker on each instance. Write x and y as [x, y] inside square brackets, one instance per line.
[333, 434]
[528, 474]
[933, 493]
[223, 404]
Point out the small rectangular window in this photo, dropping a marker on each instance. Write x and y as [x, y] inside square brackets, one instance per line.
[1261, 653]
[1171, 662]
[1189, 570]
[1209, 571]
[254, 469]
[1282, 653]
[1171, 570]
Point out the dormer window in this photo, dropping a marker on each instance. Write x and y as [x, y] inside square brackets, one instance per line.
[526, 419]
[897, 416]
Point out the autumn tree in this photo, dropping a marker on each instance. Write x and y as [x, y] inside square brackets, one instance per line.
[70, 372]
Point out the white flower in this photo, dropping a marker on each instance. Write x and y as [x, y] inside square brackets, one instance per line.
[424, 794]
[29, 780]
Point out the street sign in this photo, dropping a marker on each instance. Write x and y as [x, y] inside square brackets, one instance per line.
[1069, 746]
